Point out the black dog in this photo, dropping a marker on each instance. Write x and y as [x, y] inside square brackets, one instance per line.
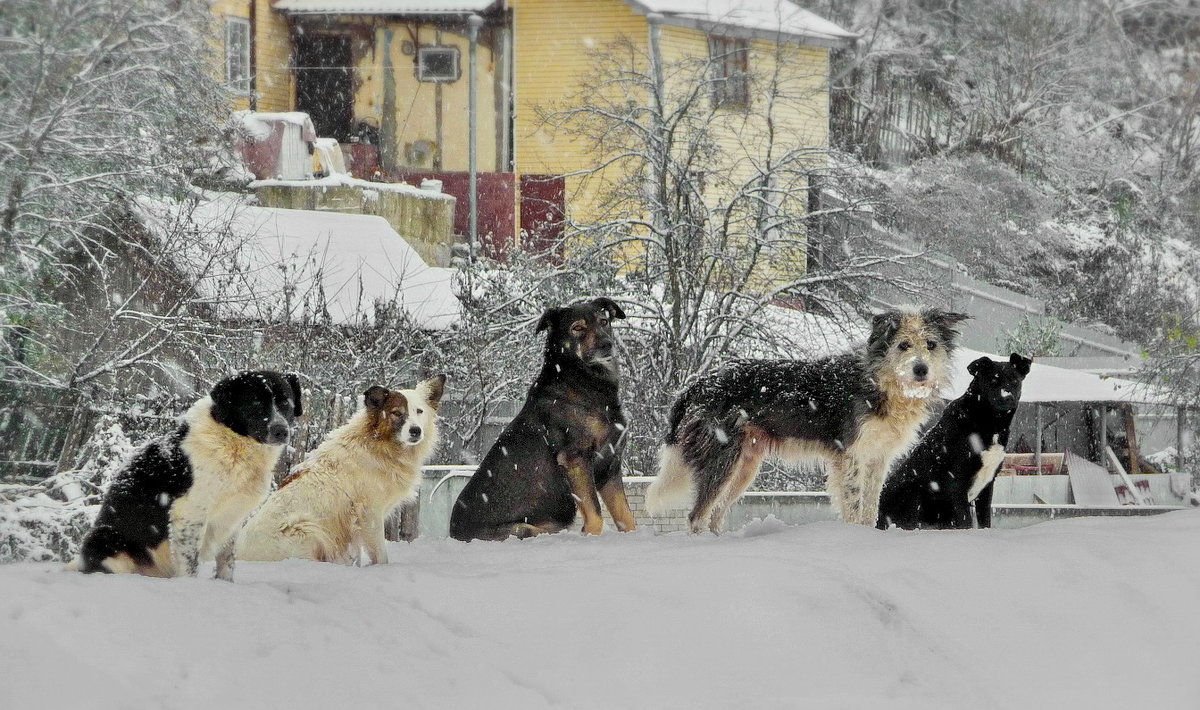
[955, 463]
[185, 495]
[564, 445]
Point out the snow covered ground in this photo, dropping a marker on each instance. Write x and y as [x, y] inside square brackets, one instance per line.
[1082, 613]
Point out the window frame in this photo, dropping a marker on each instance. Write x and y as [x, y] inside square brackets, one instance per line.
[729, 58]
[419, 63]
[238, 84]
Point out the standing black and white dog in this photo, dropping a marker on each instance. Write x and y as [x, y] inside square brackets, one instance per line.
[955, 463]
[184, 496]
[856, 411]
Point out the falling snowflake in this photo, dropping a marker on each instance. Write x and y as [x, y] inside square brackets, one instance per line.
[976, 443]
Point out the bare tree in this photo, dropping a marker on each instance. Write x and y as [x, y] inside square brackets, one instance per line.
[103, 101]
[704, 213]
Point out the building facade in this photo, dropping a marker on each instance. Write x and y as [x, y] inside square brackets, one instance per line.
[389, 80]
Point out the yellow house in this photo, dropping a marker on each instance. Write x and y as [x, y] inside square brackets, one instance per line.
[388, 79]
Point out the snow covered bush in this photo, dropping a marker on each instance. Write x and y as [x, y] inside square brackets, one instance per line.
[48, 521]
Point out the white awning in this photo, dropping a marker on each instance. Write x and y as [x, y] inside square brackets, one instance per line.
[1046, 383]
[383, 7]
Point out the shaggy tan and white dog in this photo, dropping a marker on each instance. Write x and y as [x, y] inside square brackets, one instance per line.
[855, 411]
[334, 503]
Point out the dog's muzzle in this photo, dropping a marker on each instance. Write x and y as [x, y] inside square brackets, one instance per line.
[915, 380]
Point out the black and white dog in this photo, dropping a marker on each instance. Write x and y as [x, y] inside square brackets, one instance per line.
[955, 463]
[184, 496]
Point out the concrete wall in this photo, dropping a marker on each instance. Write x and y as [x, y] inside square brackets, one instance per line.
[800, 508]
[424, 219]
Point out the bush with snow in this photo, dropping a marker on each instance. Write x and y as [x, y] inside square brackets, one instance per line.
[47, 521]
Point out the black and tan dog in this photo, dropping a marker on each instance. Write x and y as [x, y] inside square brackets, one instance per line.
[954, 465]
[565, 444]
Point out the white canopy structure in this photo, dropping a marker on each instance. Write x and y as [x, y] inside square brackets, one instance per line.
[383, 7]
[1046, 383]
[771, 19]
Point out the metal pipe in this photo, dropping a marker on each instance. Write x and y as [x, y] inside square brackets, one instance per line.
[1104, 437]
[1180, 423]
[475, 21]
[253, 50]
[1037, 456]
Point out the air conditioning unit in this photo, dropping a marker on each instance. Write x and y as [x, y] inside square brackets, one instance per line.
[438, 64]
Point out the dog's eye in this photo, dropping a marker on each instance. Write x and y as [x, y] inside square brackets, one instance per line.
[420, 411]
[932, 345]
[578, 329]
[903, 345]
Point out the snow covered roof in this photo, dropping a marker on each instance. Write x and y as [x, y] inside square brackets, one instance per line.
[295, 264]
[383, 7]
[1046, 383]
[767, 19]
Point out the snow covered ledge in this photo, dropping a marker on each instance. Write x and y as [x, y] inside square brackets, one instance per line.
[425, 219]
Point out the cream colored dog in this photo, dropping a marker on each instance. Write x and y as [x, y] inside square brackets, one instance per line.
[334, 502]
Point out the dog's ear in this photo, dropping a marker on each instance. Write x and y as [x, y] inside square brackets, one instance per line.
[980, 364]
[614, 311]
[294, 380]
[375, 396]
[884, 326]
[436, 387]
[547, 319]
[1023, 364]
[945, 322]
[222, 395]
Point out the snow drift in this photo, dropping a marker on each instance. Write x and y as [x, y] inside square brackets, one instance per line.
[1096, 613]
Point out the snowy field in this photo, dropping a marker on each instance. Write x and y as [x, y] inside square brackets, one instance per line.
[1082, 613]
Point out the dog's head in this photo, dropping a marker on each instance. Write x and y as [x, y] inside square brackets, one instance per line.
[909, 349]
[261, 404]
[998, 384]
[405, 416]
[583, 331]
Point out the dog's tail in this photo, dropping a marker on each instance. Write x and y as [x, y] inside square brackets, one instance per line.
[675, 485]
[322, 543]
[675, 418]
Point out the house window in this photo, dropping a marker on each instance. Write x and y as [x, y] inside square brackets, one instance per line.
[730, 62]
[237, 54]
[437, 64]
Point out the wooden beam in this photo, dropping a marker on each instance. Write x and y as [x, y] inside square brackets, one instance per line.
[1131, 438]
[1133, 490]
